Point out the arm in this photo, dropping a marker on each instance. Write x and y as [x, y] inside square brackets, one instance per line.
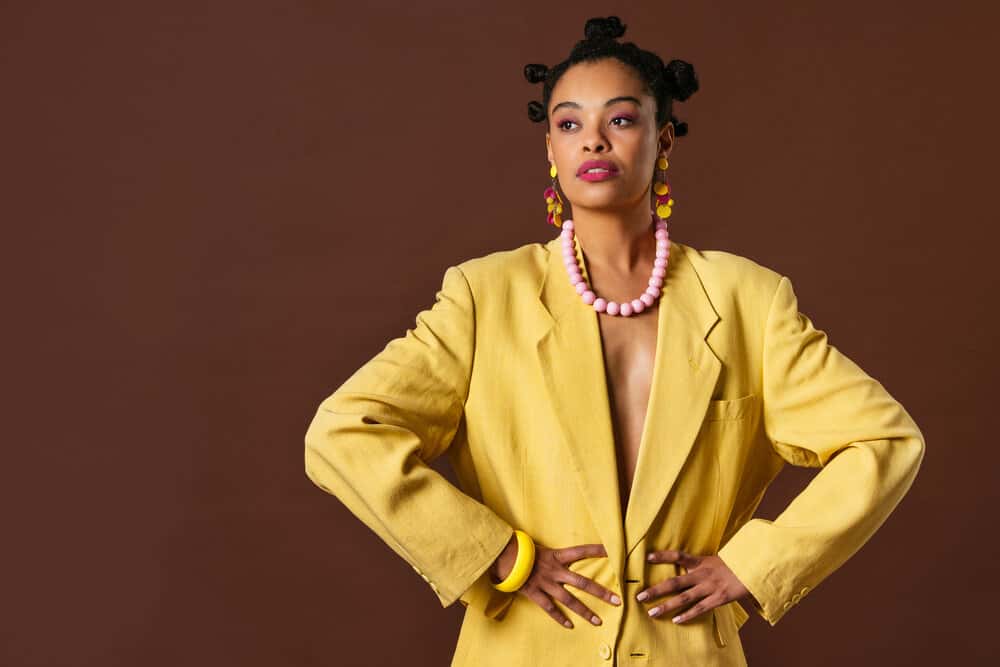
[371, 440]
[821, 411]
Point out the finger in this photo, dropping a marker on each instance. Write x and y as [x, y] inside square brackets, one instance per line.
[589, 585]
[561, 594]
[669, 585]
[691, 596]
[545, 602]
[706, 604]
[673, 556]
[579, 552]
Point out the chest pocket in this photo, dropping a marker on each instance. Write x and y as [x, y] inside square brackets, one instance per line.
[734, 408]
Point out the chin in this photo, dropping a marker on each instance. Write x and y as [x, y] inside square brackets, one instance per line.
[607, 198]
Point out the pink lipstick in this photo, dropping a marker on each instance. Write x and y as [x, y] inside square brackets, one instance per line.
[597, 170]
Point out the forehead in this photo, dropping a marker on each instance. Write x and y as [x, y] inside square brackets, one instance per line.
[593, 83]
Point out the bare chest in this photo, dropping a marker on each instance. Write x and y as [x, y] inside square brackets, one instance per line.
[629, 347]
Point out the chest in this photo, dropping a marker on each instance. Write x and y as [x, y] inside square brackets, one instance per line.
[629, 350]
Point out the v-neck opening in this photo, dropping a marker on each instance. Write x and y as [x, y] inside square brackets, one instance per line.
[650, 401]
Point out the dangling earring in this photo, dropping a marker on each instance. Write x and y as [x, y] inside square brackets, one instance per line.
[664, 199]
[553, 202]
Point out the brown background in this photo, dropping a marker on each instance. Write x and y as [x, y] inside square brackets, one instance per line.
[215, 212]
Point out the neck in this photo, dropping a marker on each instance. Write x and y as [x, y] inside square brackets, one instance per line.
[614, 241]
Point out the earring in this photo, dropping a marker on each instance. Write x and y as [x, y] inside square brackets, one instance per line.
[553, 202]
[664, 200]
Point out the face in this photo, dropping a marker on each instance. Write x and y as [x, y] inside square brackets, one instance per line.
[599, 111]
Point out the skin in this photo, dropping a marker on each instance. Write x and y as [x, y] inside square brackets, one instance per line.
[588, 119]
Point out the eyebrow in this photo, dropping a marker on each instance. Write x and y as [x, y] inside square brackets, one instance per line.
[613, 100]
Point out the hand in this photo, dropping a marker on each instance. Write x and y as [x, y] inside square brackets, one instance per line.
[708, 582]
[548, 575]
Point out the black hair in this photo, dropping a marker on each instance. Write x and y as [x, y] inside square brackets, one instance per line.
[674, 81]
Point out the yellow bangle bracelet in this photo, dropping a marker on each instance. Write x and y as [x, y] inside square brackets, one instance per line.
[522, 566]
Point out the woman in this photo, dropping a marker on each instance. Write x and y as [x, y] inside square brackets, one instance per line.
[614, 405]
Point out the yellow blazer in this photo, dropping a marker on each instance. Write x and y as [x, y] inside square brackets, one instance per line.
[505, 374]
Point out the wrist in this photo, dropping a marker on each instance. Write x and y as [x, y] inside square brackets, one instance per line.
[504, 563]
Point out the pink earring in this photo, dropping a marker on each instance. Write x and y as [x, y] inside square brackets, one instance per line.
[553, 202]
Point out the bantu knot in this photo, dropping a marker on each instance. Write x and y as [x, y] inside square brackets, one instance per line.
[681, 79]
[603, 28]
[680, 127]
[535, 73]
[536, 112]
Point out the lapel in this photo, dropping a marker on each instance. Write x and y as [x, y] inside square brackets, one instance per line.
[571, 360]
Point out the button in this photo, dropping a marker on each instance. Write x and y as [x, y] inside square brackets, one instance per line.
[604, 651]
[796, 598]
[787, 605]
[805, 589]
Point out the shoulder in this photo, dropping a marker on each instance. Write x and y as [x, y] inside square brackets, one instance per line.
[727, 276]
[513, 269]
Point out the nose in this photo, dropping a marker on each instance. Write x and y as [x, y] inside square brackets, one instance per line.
[595, 142]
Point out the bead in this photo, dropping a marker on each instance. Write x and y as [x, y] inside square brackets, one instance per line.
[552, 170]
[601, 305]
[663, 210]
[661, 188]
[662, 163]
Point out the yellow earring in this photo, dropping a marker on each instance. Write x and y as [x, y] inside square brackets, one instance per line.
[664, 200]
[553, 202]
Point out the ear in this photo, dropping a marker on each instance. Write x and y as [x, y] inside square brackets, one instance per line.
[666, 139]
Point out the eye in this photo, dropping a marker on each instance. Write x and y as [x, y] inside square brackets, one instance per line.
[628, 120]
[561, 123]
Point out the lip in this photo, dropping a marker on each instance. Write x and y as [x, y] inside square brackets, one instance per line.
[597, 164]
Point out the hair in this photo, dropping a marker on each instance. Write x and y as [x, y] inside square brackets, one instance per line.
[674, 81]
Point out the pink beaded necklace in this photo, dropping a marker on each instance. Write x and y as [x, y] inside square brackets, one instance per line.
[628, 308]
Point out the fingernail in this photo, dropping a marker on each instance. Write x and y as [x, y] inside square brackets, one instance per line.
[615, 599]
[595, 620]
[642, 596]
[654, 611]
[568, 624]
[676, 619]
[650, 556]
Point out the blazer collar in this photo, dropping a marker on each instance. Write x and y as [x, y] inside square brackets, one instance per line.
[571, 360]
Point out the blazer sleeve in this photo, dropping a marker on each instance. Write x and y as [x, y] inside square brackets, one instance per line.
[820, 410]
[371, 440]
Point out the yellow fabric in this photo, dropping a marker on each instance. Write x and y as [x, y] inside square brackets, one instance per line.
[504, 373]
